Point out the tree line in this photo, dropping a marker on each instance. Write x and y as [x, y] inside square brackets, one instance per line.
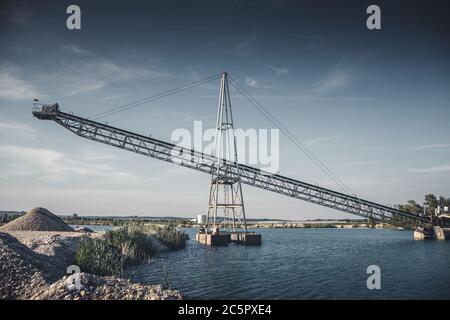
[431, 202]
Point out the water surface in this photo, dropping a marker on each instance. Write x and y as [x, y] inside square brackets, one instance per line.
[308, 264]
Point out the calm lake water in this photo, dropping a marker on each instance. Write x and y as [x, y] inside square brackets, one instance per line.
[308, 264]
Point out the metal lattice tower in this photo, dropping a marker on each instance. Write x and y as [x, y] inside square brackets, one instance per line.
[225, 201]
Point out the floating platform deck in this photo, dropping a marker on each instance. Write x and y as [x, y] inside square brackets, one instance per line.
[441, 233]
[223, 239]
[246, 238]
[435, 233]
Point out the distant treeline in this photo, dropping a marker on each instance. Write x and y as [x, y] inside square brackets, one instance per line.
[117, 221]
[8, 216]
[431, 202]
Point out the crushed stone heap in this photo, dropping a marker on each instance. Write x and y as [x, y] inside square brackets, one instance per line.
[37, 219]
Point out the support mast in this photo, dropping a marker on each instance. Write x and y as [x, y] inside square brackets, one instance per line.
[225, 201]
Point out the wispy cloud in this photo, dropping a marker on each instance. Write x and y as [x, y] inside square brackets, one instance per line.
[434, 169]
[78, 71]
[89, 71]
[296, 97]
[336, 80]
[92, 155]
[264, 34]
[356, 184]
[200, 73]
[54, 166]
[185, 115]
[243, 46]
[435, 146]
[18, 13]
[16, 129]
[320, 140]
[251, 82]
[356, 163]
[301, 97]
[278, 71]
[13, 86]
[74, 49]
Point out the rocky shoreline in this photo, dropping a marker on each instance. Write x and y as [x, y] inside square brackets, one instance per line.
[33, 265]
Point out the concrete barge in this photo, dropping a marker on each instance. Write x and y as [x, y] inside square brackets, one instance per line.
[441, 233]
[223, 239]
[434, 233]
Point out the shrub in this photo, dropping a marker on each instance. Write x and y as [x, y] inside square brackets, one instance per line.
[171, 237]
[112, 253]
[98, 257]
[134, 245]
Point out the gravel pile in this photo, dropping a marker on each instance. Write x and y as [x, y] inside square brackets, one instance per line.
[83, 230]
[35, 269]
[57, 247]
[37, 219]
[20, 269]
[105, 288]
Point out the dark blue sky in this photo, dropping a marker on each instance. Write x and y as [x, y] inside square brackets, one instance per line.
[373, 105]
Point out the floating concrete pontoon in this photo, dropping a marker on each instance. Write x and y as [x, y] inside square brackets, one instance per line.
[432, 233]
[246, 238]
[213, 239]
[441, 233]
[223, 239]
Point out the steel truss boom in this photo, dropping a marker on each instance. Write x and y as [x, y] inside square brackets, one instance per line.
[206, 163]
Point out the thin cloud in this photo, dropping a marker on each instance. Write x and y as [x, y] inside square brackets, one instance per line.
[264, 34]
[76, 50]
[251, 82]
[435, 169]
[300, 97]
[91, 155]
[54, 166]
[79, 71]
[13, 87]
[243, 46]
[196, 75]
[435, 146]
[11, 128]
[320, 140]
[278, 71]
[335, 81]
[356, 163]
[90, 72]
[19, 13]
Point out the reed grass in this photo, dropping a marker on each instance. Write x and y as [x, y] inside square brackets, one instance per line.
[112, 253]
[166, 234]
[171, 237]
[98, 257]
[135, 245]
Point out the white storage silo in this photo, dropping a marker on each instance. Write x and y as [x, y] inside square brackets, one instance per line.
[201, 219]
